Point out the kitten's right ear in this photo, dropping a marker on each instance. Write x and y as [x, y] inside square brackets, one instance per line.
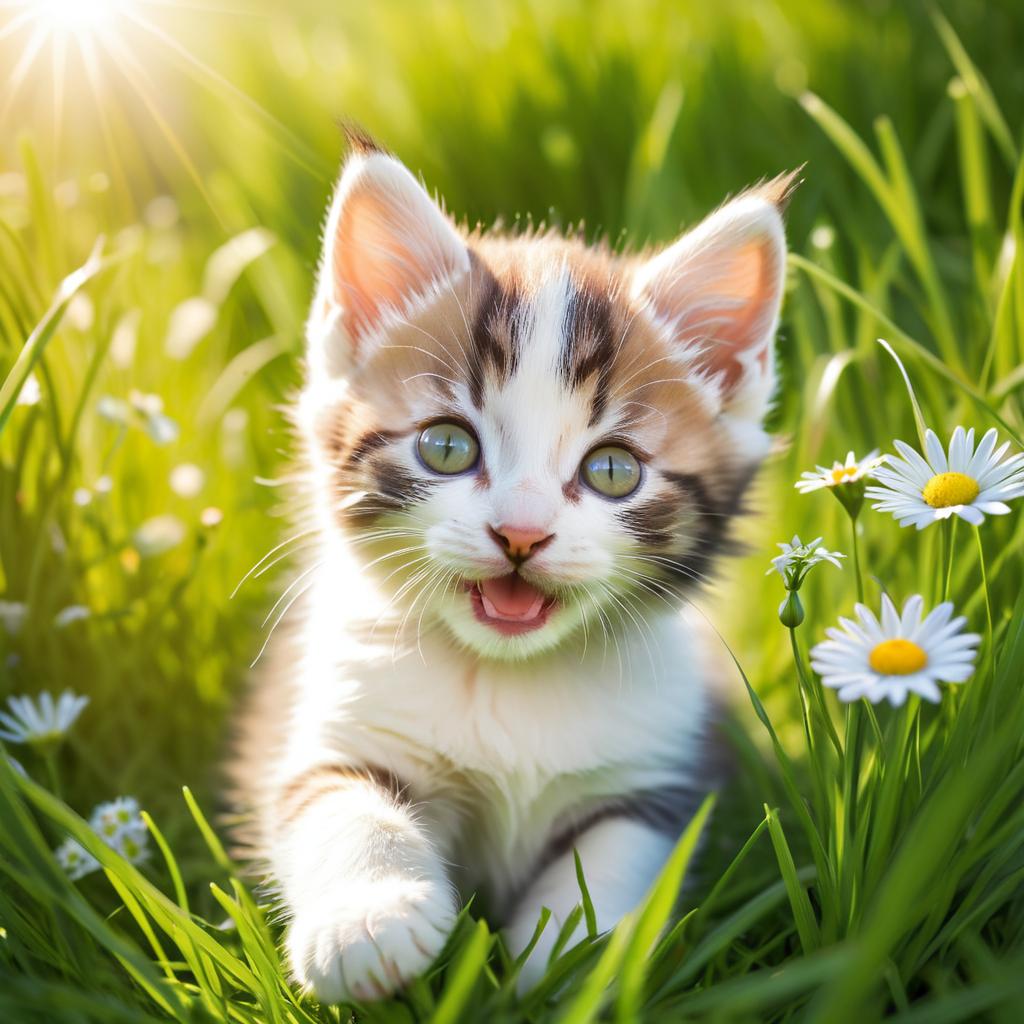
[386, 244]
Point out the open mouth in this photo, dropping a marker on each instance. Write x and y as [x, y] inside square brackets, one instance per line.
[510, 605]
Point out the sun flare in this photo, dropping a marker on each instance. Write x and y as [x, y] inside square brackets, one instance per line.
[77, 16]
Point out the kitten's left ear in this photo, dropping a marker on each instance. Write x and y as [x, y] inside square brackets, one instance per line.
[719, 289]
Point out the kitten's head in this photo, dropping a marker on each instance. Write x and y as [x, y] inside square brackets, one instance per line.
[525, 439]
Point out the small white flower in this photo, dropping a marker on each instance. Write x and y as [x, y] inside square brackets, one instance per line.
[73, 613]
[822, 237]
[107, 818]
[81, 496]
[75, 859]
[145, 404]
[119, 824]
[969, 483]
[211, 517]
[899, 655]
[13, 615]
[43, 721]
[187, 480]
[104, 485]
[114, 410]
[797, 559]
[150, 408]
[847, 472]
[162, 429]
[158, 535]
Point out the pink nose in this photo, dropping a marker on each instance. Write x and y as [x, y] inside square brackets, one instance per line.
[520, 542]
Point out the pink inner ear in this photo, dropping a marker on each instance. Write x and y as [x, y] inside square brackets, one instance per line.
[748, 285]
[373, 269]
[388, 243]
[719, 288]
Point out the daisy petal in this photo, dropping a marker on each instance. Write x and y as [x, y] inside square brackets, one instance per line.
[936, 456]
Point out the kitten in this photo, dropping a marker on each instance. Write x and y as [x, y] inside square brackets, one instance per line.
[524, 454]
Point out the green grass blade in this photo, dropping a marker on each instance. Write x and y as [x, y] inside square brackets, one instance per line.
[588, 904]
[654, 913]
[464, 976]
[976, 86]
[803, 915]
[40, 337]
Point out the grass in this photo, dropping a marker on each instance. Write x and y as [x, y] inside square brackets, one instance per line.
[881, 876]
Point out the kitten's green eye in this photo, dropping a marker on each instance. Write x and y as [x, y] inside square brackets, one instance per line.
[611, 471]
[447, 448]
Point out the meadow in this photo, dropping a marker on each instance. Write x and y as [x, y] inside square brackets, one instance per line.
[164, 168]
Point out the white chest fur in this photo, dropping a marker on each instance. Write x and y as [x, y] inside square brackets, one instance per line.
[502, 755]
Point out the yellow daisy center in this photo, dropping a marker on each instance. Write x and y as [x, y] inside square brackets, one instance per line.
[948, 489]
[840, 473]
[897, 657]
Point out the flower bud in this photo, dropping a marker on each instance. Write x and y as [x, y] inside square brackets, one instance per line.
[791, 611]
[851, 495]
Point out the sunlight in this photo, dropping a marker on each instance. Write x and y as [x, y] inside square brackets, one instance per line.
[78, 15]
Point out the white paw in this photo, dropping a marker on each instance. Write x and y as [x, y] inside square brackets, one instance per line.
[371, 940]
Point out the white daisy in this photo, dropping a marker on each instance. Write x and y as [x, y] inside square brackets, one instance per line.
[119, 824]
[970, 482]
[75, 859]
[40, 722]
[847, 472]
[797, 560]
[899, 655]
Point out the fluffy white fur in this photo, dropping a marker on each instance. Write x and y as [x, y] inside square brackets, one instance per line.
[508, 736]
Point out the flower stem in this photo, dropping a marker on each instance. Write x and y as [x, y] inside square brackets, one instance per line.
[50, 759]
[813, 694]
[851, 766]
[856, 560]
[988, 600]
[950, 548]
[814, 752]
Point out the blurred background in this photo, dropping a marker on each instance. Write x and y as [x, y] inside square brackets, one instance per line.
[144, 466]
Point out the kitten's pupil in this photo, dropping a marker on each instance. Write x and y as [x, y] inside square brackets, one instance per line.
[447, 448]
[611, 473]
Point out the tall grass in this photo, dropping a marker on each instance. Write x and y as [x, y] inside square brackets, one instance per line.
[831, 886]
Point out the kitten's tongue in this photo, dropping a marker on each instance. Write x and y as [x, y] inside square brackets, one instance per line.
[511, 598]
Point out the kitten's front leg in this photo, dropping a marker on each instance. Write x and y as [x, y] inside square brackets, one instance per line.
[369, 900]
[621, 857]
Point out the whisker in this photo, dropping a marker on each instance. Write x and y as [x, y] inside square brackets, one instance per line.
[280, 618]
[270, 553]
[295, 582]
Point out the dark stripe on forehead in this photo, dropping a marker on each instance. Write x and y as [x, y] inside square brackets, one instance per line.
[494, 341]
[588, 346]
